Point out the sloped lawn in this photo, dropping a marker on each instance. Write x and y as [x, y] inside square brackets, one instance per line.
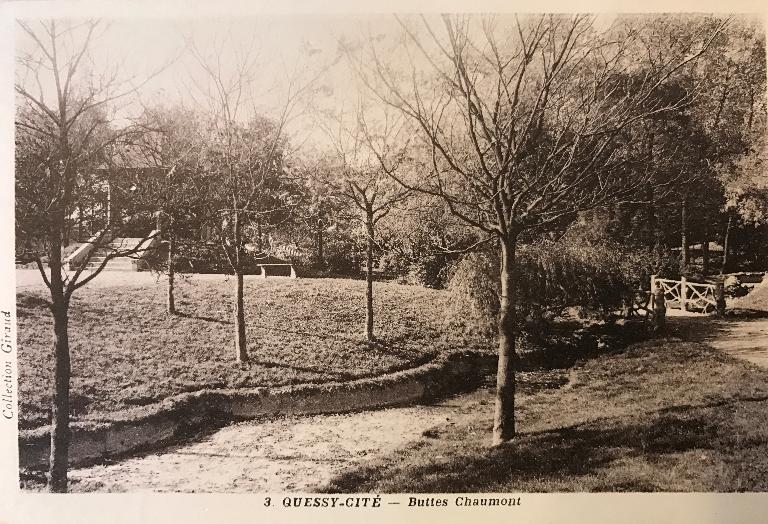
[126, 351]
[661, 416]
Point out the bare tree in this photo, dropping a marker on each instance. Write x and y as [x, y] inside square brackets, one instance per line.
[358, 179]
[169, 143]
[524, 122]
[63, 132]
[316, 210]
[247, 156]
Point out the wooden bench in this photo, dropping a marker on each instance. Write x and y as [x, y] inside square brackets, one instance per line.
[263, 268]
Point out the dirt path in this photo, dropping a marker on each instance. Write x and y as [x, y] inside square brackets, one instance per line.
[286, 454]
[747, 339]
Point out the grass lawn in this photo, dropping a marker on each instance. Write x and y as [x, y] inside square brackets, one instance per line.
[127, 351]
[663, 415]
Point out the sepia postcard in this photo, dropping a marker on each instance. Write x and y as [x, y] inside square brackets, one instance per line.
[386, 262]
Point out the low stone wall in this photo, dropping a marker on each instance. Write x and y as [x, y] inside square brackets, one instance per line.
[154, 426]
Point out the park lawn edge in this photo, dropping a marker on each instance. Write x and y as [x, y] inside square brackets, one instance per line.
[174, 418]
[158, 425]
[302, 331]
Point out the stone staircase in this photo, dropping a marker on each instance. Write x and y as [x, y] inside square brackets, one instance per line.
[118, 263]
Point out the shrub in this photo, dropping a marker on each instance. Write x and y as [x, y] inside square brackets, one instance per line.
[595, 277]
[474, 286]
[343, 255]
[428, 271]
[199, 257]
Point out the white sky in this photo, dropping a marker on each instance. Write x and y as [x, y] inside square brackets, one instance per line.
[140, 47]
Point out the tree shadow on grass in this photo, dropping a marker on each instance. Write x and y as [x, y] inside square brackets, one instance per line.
[385, 346]
[400, 351]
[201, 317]
[323, 336]
[694, 328]
[28, 303]
[555, 457]
[334, 375]
[701, 329]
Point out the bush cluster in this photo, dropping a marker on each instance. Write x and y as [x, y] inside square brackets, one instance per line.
[596, 278]
[428, 270]
[201, 257]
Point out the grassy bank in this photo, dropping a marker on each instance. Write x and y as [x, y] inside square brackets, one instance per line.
[661, 416]
[127, 351]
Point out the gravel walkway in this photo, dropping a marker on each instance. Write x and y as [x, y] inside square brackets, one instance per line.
[286, 454]
[746, 339]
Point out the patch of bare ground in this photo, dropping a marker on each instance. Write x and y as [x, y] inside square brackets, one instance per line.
[285, 453]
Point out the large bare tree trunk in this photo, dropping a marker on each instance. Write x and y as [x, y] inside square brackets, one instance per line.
[80, 221]
[684, 254]
[651, 211]
[65, 234]
[241, 350]
[504, 418]
[721, 103]
[726, 244]
[240, 343]
[171, 275]
[369, 282]
[59, 458]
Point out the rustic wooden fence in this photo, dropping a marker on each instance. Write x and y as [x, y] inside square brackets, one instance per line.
[687, 296]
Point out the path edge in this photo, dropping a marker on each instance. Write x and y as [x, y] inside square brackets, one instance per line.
[159, 425]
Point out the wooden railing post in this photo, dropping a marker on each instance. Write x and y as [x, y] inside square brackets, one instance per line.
[720, 299]
[683, 294]
[659, 308]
